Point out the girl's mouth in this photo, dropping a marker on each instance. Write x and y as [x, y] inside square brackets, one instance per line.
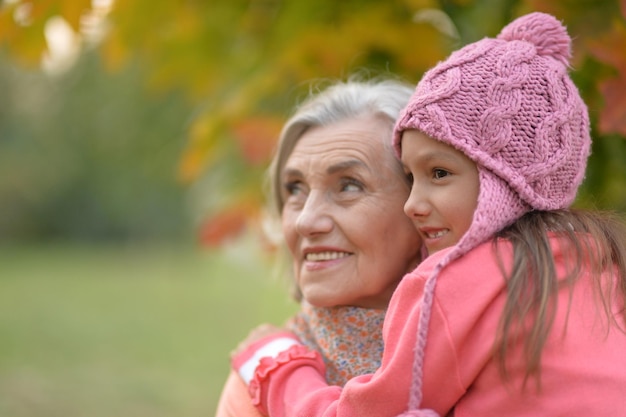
[437, 234]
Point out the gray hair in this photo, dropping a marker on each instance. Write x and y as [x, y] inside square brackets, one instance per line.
[341, 101]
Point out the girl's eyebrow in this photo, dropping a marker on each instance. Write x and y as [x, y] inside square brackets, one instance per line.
[345, 165]
[438, 155]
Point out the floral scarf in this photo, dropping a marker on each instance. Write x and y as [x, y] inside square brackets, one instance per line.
[350, 339]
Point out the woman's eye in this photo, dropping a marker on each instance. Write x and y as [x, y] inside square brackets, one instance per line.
[439, 173]
[293, 187]
[409, 177]
[350, 184]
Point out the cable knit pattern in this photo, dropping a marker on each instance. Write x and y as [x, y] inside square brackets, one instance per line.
[350, 339]
[510, 106]
[512, 110]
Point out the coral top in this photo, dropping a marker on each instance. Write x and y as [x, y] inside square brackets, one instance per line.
[583, 369]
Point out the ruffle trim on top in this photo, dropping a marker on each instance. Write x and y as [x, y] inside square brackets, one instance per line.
[268, 365]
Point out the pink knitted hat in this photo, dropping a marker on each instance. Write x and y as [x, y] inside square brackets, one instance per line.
[510, 106]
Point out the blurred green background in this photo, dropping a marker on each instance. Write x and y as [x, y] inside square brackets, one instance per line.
[110, 330]
[133, 140]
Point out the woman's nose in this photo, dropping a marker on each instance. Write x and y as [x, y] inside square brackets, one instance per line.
[315, 216]
[416, 205]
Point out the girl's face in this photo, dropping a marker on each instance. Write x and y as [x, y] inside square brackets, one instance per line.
[444, 193]
[343, 217]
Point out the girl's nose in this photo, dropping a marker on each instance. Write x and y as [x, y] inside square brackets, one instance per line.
[315, 216]
[416, 205]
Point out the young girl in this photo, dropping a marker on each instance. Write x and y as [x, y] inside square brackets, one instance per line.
[519, 308]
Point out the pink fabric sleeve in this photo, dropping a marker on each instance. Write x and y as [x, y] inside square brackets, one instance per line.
[235, 400]
[246, 361]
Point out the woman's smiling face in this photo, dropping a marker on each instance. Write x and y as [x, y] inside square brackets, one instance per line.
[343, 217]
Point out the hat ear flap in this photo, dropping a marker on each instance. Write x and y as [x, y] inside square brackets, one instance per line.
[498, 206]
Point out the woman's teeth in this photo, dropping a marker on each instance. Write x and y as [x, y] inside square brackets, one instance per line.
[325, 256]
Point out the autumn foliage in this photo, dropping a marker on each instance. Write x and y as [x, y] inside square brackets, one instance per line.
[224, 224]
[245, 63]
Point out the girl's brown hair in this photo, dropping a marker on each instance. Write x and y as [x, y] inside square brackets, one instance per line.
[594, 238]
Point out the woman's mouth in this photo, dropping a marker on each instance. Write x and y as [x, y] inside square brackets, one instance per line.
[325, 256]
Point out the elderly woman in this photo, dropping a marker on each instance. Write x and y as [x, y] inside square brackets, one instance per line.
[339, 193]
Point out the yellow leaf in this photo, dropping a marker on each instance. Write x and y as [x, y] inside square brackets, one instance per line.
[191, 165]
[8, 28]
[114, 52]
[73, 10]
[28, 45]
[201, 148]
[421, 4]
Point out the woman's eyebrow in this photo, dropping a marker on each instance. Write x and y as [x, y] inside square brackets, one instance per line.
[291, 172]
[345, 165]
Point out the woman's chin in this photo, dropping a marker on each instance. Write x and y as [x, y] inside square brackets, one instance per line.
[319, 301]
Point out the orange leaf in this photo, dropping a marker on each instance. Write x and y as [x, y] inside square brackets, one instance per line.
[226, 224]
[613, 114]
[256, 138]
[610, 48]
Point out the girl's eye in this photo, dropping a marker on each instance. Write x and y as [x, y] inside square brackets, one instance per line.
[409, 177]
[439, 173]
[350, 184]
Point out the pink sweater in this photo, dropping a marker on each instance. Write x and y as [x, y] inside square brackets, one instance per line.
[583, 363]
